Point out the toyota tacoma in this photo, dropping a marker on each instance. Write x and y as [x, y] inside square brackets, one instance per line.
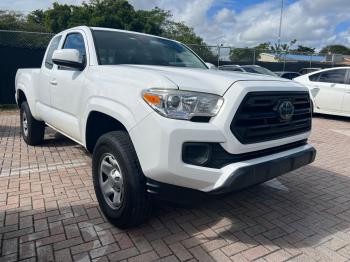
[158, 121]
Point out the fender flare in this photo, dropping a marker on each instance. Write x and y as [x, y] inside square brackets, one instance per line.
[108, 107]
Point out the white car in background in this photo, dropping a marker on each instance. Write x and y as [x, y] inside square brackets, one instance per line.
[329, 90]
[255, 69]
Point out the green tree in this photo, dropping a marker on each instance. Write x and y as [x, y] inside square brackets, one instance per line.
[242, 54]
[282, 48]
[335, 49]
[10, 20]
[118, 14]
[185, 34]
[151, 22]
[304, 49]
[14, 21]
[181, 32]
[58, 18]
[103, 13]
[248, 54]
[37, 18]
[263, 47]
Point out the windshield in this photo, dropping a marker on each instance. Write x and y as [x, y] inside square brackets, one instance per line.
[114, 48]
[258, 70]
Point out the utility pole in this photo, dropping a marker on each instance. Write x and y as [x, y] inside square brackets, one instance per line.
[218, 54]
[280, 28]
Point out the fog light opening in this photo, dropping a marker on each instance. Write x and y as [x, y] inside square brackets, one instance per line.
[196, 153]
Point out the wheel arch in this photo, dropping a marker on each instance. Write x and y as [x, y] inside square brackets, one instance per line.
[20, 97]
[103, 115]
[99, 123]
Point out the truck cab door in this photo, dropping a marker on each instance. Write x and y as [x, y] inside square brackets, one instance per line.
[44, 87]
[67, 90]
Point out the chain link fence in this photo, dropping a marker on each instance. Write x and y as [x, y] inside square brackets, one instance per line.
[274, 60]
[18, 49]
[23, 39]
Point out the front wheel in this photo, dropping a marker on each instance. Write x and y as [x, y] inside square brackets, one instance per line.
[119, 183]
[32, 129]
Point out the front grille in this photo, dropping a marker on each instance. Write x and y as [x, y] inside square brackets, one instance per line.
[258, 118]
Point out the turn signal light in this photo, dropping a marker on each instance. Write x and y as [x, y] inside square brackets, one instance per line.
[151, 99]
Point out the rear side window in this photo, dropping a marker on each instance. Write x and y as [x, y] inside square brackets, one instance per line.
[75, 41]
[226, 68]
[331, 76]
[314, 77]
[53, 46]
[293, 75]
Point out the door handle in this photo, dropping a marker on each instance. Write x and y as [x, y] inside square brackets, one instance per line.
[53, 82]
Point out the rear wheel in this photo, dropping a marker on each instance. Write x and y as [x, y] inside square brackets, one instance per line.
[32, 129]
[119, 183]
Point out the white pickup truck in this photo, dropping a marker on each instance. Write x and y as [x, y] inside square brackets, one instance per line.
[158, 121]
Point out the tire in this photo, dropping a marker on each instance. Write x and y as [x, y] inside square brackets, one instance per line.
[119, 182]
[32, 130]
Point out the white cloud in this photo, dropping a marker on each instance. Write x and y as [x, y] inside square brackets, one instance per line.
[311, 22]
[225, 16]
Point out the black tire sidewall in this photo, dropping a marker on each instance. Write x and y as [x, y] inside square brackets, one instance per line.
[25, 108]
[100, 153]
[36, 129]
[133, 179]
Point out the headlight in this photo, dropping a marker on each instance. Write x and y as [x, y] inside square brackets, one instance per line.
[182, 104]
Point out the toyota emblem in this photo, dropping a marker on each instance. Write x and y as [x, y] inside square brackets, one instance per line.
[286, 110]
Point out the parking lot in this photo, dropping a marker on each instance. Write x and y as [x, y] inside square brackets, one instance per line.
[48, 209]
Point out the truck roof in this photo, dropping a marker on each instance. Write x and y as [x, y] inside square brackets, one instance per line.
[114, 30]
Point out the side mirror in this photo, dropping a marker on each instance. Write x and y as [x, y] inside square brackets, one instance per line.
[68, 58]
[211, 66]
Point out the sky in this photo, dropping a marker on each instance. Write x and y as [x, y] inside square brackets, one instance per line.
[242, 23]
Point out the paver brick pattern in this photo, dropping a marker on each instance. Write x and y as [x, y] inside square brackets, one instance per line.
[48, 209]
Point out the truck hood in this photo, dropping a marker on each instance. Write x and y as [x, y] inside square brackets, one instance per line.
[203, 80]
[189, 79]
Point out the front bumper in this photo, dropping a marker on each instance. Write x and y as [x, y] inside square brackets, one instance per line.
[158, 142]
[241, 178]
[249, 175]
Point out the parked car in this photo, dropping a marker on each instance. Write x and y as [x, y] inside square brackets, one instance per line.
[211, 66]
[236, 68]
[158, 122]
[329, 89]
[307, 70]
[248, 69]
[287, 74]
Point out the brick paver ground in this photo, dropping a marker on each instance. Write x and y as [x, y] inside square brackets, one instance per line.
[48, 209]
